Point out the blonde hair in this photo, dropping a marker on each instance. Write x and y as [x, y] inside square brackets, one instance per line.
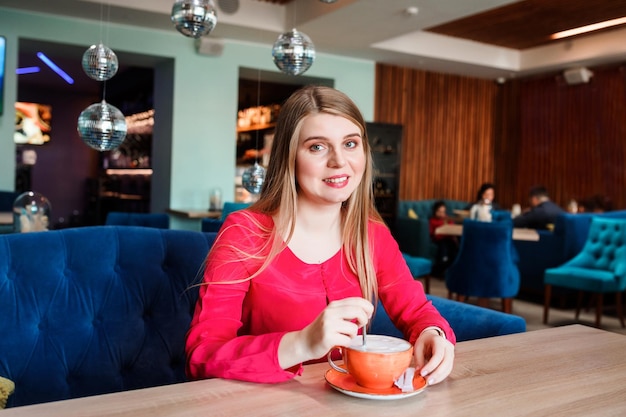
[279, 193]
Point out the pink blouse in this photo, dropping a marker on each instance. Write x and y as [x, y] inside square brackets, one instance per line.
[237, 326]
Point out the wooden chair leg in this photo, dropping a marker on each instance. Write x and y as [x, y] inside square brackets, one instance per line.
[507, 305]
[449, 295]
[620, 308]
[599, 310]
[579, 301]
[546, 302]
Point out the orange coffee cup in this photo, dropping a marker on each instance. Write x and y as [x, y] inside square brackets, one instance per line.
[376, 365]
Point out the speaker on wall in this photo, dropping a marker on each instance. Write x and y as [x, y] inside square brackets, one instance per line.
[228, 6]
[577, 75]
[209, 46]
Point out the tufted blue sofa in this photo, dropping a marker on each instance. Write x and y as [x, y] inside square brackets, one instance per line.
[555, 248]
[102, 309]
[413, 235]
[96, 309]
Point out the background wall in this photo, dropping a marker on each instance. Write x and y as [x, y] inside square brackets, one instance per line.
[571, 138]
[196, 112]
[460, 132]
[448, 121]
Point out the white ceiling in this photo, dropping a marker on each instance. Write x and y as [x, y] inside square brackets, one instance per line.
[378, 30]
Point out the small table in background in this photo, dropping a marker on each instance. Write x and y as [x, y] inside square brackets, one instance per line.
[196, 214]
[6, 222]
[6, 217]
[518, 233]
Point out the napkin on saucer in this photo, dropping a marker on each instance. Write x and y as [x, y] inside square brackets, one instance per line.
[405, 382]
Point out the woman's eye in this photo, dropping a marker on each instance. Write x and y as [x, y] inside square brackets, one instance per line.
[352, 144]
[317, 147]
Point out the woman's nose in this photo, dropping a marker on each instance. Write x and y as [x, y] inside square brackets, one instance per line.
[337, 158]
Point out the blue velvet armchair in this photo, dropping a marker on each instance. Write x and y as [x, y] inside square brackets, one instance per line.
[485, 266]
[599, 268]
[420, 268]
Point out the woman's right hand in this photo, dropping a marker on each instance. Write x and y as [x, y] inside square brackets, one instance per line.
[336, 325]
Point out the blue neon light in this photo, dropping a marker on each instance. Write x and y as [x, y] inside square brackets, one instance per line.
[27, 70]
[54, 67]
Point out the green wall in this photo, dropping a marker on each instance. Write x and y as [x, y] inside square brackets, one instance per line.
[203, 100]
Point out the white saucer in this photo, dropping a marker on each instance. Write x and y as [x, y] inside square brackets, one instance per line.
[346, 384]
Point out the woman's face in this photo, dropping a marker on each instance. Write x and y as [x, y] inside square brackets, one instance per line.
[330, 160]
[489, 194]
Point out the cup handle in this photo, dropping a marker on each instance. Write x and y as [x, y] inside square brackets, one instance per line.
[332, 363]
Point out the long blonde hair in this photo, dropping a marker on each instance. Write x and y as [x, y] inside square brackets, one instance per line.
[279, 194]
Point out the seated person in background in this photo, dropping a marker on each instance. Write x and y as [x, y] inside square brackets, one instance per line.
[486, 194]
[447, 246]
[542, 212]
[595, 204]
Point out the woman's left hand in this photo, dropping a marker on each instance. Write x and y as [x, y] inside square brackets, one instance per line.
[434, 356]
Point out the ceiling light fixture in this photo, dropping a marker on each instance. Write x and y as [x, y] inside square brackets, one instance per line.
[411, 11]
[27, 70]
[54, 67]
[588, 28]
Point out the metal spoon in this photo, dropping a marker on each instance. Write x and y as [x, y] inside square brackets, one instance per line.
[364, 335]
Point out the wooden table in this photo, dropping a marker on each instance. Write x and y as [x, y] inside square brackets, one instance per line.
[6, 217]
[565, 371]
[196, 214]
[518, 233]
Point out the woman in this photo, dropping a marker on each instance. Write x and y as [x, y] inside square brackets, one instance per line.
[297, 273]
[486, 194]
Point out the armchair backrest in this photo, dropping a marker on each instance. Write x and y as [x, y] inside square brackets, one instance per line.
[229, 207]
[605, 248]
[485, 265]
[573, 229]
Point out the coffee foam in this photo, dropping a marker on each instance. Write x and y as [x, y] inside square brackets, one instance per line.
[380, 344]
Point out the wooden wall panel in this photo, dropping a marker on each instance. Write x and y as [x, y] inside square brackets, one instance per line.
[448, 124]
[571, 138]
[460, 132]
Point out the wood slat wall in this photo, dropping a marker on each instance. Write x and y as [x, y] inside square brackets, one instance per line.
[570, 138]
[448, 148]
[460, 132]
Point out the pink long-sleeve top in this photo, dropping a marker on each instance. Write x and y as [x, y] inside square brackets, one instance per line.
[238, 323]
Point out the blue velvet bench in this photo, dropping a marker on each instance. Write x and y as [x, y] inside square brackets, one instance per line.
[93, 310]
[468, 321]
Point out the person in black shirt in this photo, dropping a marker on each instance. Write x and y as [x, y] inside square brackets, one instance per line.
[542, 212]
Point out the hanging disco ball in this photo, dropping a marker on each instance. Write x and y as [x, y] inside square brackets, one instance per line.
[102, 126]
[253, 178]
[194, 18]
[293, 52]
[100, 62]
